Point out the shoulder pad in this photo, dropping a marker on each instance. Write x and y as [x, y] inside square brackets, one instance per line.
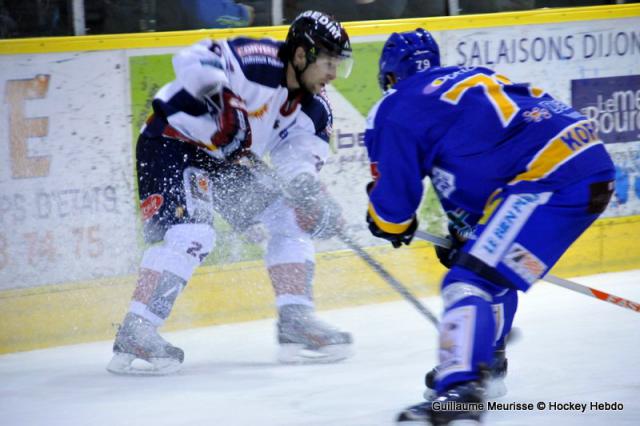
[259, 60]
[318, 109]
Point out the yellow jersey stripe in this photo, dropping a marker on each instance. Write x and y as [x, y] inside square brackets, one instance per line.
[492, 203]
[386, 226]
[560, 149]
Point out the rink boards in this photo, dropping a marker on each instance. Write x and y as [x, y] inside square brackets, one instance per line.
[69, 236]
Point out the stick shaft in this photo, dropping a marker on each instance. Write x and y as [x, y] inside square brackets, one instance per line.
[592, 292]
[389, 279]
[562, 282]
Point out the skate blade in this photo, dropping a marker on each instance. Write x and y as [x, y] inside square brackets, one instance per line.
[128, 365]
[407, 418]
[294, 353]
[423, 422]
[495, 388]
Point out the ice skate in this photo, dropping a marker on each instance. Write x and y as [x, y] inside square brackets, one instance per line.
[460, 405]
[494, 385]
[304, 339]
[139, 350]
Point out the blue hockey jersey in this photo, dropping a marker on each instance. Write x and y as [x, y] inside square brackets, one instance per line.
[473, 133]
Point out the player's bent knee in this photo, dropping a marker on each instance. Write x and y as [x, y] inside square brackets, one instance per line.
[287, 249]
[457, 291]
[193, 240]
[480, 279]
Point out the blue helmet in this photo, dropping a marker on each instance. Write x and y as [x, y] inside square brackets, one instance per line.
[405, 54]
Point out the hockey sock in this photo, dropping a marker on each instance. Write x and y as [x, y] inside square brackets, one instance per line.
[292, 283]
[166, 269]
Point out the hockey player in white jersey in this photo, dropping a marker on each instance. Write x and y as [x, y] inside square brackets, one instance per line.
[233, 101]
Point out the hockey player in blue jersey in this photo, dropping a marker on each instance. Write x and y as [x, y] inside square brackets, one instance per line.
[520, 176]
[233, 101]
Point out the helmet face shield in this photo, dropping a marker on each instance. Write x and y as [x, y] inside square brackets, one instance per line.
[340, 65]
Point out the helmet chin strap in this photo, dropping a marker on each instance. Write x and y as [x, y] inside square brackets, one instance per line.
[391, 80]
[299, 72]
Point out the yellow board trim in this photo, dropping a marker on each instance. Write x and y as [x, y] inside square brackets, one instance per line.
[364, 28]
[84, 312]
[81, 312]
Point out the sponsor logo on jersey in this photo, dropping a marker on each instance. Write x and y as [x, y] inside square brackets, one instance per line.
[260, 112]
[285, 132]
[443, 181]
[257, 49]
[259, 54]
[524, 263]
[536, 115]
[555, 106]
[505, 225]
[151, 205]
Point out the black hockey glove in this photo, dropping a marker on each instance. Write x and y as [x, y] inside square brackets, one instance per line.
[234, 131]
[396, 240]
[447, 256]
[316, 211]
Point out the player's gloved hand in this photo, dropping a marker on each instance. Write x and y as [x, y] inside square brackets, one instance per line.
[447, 256]
[396, 240]
[234, 131]
[370, 187]
[323, 220]
[316, 211]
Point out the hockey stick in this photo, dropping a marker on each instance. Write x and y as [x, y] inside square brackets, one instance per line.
[570, 285]
[253, 161]
[388, 278]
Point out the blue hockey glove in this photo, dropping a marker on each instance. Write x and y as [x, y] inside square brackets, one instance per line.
[396, 240]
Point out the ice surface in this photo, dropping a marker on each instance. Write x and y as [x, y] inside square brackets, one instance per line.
[573, 349]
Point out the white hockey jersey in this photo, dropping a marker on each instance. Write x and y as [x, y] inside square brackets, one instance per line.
[293, 131]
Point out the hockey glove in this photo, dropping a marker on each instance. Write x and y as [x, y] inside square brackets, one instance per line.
[448, 256]
[396, 240]
[234, 131]
[317, 213]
